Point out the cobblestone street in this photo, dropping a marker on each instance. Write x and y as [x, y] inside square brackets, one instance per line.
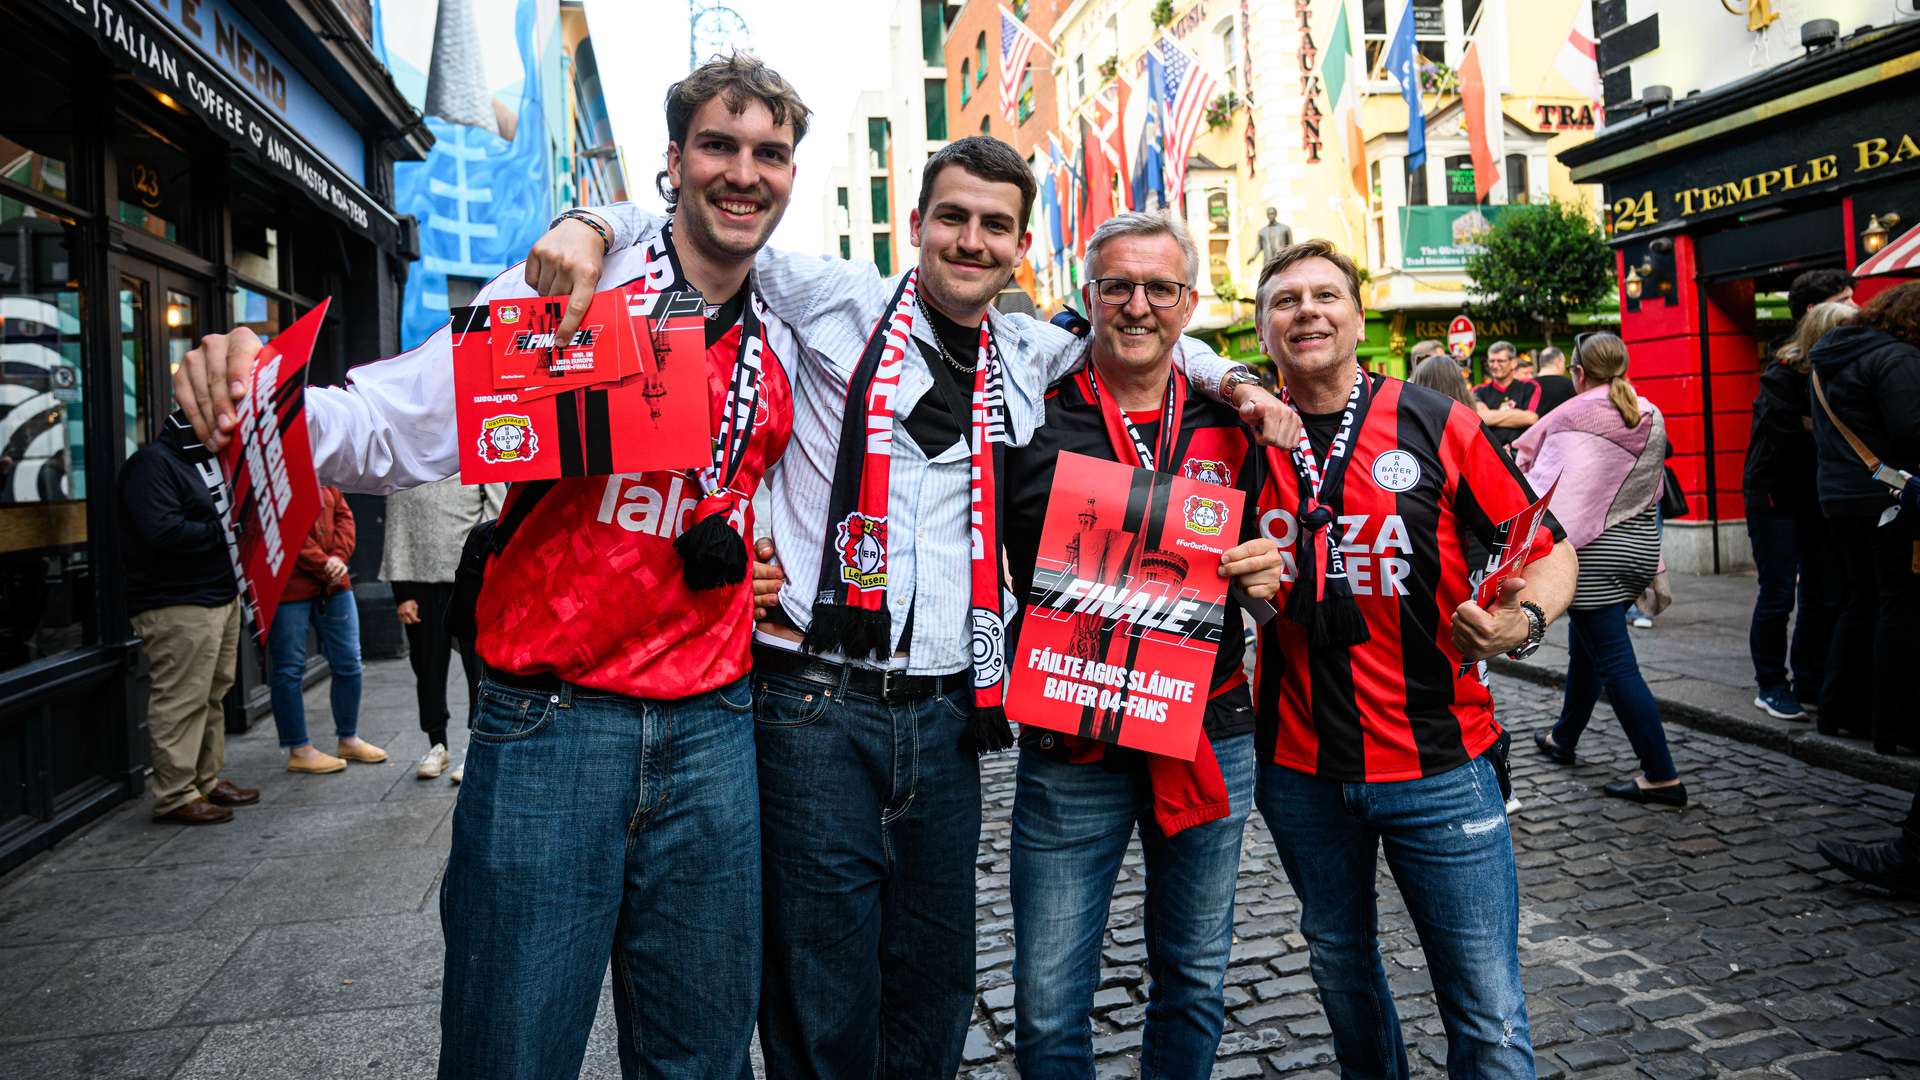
[303, 940]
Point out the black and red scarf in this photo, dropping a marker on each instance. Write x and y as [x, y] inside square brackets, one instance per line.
[850, 608]
[1185, 793]
[1321, 599]
[713, 553]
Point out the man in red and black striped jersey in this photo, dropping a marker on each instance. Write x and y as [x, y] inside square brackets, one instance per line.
[1370, 733]
[1078, 801]
[610, 807]
[1507, 404]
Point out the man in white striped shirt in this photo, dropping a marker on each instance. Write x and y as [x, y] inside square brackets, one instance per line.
[870, 793]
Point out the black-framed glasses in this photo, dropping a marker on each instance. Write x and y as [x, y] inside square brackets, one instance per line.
[1117, 291]
[1581, 339]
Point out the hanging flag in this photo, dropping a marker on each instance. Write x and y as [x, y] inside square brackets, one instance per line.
[1096, 198]
[1050, 199]
[1341, 74]
[1401, 61]
[1109, 112]
[1482, 78]
[1016, 49]
[1188, 90]
[1149, 173]
[1578, 61]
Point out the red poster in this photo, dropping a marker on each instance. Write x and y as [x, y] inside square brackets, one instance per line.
[658, 417]
[273, 494]
[526, 357]
[1513, 550]
[1127, 607]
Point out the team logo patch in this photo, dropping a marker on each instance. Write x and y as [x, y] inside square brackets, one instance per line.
[1205, 515]
[1207, 472]
[1396, 470]
[507, 438]
[510, 314]
[863, 551]
[989, 647]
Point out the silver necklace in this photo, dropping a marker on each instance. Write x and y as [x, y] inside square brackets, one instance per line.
[941, 345]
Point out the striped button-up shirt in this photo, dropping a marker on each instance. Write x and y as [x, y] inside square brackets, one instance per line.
[832, 306]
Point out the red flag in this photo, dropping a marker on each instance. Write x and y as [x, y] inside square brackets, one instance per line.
[1096, 199]
[1109, 112]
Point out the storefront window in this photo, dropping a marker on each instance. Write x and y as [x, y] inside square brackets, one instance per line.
[135, 317]
[262, 314]
[256, 248]
[46, 590]
[36, 143]
[1460, 180]
[1517, 191]
[156, 184]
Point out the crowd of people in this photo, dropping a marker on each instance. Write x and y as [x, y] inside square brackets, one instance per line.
[748, 778]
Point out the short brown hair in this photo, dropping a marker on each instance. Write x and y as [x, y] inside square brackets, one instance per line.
[1300, 252]
[737, 79]
[1895, 312]
[989, 159]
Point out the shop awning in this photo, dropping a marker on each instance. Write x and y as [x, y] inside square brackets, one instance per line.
[1900, 257]
[158, 58]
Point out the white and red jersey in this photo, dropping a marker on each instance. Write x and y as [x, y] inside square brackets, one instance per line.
[590, 587]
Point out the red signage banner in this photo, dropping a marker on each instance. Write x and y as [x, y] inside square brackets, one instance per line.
[1514, 550]
[628, 394]
[1127, 608]
[273, 493]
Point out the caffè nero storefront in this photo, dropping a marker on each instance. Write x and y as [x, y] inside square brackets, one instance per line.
[167, 168]
[1729, 195]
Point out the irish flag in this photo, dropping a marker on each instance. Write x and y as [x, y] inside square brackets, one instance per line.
[1340, 71]
[1483, 75]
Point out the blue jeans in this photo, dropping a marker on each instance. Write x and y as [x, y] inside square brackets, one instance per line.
[1790, 549]
[1600, 653]
[1071, 828]
[592, 826]
[1449, 850]
[870, 822]
[336, 621]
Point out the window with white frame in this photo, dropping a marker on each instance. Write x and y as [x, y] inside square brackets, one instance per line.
[1227, 53]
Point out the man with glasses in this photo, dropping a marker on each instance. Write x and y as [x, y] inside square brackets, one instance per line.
[1078, 802]
[1507, 405]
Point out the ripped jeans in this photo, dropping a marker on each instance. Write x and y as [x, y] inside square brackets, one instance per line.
[1450, 853]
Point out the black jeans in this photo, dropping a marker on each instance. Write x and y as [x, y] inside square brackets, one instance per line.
[1877, 636]
[1792, 549]
[430, 650]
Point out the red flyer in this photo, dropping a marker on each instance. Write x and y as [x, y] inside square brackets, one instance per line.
[1514, 548]
[1127, 610]
[659, 417]
[526, 357]
[273, 494]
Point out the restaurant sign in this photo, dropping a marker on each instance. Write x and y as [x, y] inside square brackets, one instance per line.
[1442, 237]
[1864, 141]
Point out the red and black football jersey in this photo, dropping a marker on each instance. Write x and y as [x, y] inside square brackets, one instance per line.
[590, 587]
[1423, 476]
[1213, 448]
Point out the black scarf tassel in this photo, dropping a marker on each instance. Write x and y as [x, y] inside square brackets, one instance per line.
[1335, 621]
[712, 555]
[854, 633]
[989, 732]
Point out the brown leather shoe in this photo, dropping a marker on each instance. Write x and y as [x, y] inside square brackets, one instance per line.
[228, 793]
[197, 812]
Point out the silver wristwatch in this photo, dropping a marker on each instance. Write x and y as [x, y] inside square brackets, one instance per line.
[1239, 376]
[1536, 630]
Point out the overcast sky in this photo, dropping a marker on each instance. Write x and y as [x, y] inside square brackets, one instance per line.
[829, 52]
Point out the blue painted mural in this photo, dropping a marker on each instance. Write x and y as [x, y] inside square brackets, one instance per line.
[485, 192]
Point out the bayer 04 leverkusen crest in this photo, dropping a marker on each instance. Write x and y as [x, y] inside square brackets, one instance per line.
[1126, 612]
[273, 494]
[628, 393]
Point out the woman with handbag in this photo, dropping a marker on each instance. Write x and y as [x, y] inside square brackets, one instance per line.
[1866, 413]
[1606, 449]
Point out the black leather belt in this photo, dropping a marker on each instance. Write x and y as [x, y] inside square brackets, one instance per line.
[890, 686]
[544, 682]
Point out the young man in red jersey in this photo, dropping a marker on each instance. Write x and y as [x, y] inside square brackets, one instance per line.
[1370, 731]
[610, 805]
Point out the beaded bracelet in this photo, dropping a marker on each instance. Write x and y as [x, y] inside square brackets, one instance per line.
[584, 218]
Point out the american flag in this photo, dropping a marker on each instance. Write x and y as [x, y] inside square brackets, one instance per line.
[1016, 48]
[1188, 89]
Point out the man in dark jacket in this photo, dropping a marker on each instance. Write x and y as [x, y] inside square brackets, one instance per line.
[1870, 373]
[181, 593]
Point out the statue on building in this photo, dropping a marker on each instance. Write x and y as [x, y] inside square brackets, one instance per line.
[1273, 237]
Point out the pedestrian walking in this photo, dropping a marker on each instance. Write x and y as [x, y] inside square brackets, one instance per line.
[426, 527]
[1866, 378]
[185, 607]
[1607, 450]
[319, 596]
[1792, 549]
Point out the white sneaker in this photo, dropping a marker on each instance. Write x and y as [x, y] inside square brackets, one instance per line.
[459, 772]
[432, 763]
[1642, 623]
